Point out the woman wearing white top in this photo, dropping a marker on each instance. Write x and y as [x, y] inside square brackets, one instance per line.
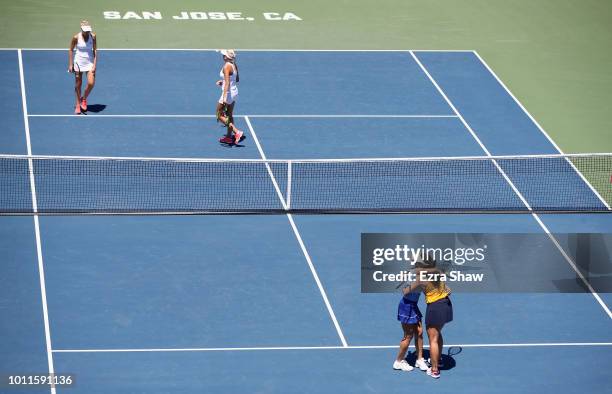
[82, 57]
[229, 95]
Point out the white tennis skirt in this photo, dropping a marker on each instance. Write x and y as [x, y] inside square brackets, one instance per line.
[82, 65]
[230, 97]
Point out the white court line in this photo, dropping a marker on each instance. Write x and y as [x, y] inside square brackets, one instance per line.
[300, 241]
[353, 116]
[121, 116]
[535, 216]
[236, 115]
[335, 160]
[41, 270]
[352, 347]
[553, 143]
[247, 50]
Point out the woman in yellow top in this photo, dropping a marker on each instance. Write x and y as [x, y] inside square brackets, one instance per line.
[439, 309]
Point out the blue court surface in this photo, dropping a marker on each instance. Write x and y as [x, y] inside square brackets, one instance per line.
[271, 303]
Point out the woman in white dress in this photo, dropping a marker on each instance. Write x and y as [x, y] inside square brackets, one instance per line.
[229, 95]
[82, 58]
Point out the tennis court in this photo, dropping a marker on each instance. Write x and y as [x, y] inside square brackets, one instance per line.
[271, 303]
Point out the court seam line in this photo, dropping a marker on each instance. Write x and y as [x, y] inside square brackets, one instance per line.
[366, 347]
[41, 269]
[296, 232]
[535, 122]
[534, 215]
[407, 116]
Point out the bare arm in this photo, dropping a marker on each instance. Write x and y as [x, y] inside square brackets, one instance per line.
[226, 78]
[419, 284]
[73, 43]
[95, 52]
[414, 287]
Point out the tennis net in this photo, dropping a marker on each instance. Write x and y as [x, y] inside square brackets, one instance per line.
[95, 185]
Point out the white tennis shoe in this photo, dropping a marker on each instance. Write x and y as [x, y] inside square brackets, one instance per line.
[421, 364]
[402, 366]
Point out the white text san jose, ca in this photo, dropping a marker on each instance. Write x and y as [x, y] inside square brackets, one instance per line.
[199, 15]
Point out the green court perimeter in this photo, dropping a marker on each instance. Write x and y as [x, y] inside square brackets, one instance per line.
[553, 55]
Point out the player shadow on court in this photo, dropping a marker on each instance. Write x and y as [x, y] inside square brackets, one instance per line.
[229, 146]
[95, 108]
[238, 145]
[448, 360]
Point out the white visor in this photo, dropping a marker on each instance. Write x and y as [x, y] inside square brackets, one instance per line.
[229, 53]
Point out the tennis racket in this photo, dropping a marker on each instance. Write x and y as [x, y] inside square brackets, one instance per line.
[446, 360]
[454, 350]
[75, 68]
[401, 285]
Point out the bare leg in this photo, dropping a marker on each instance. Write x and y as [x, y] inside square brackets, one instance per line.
[230, 112]
[433, 333]
[418, 341]
[441, 344]
[91, 81]
[405, 342]
[78, 81]
[223, 117]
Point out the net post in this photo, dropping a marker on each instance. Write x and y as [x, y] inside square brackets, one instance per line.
[288, 184]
